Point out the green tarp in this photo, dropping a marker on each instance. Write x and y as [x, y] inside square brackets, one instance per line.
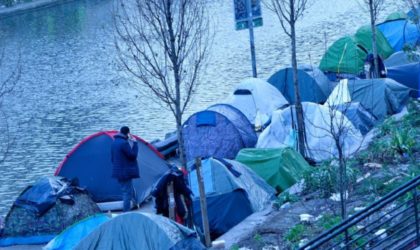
[348, 54]
[281, 168]
[363, 37]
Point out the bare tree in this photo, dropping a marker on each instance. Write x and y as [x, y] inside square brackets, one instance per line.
[375, 7]
[164, 44]
[288, 13]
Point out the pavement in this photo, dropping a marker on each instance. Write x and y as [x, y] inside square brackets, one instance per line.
[29, 6]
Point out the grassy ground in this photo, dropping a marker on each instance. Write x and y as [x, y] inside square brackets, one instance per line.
[392, 158]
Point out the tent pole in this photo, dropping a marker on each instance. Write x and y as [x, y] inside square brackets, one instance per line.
[203, 203]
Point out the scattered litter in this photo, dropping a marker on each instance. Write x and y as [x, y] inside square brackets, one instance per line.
[270, 247]
[285, 205]
[302, 242]
[218, 244]
[297, 188]
[357, 209]
[306, 217]
[391, 181]
[319, 217]
[336, 196]
[359, 227]
[372, 165]
[367, 175]
[381, 233]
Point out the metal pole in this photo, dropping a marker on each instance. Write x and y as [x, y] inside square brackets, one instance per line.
[251, 37]
[203, 203]
[416, 215]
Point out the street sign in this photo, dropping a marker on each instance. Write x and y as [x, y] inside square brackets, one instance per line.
[241, 13]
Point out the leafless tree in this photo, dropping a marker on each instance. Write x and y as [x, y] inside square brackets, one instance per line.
[163, 44]
[8, 82]
[374, 7]
[288, 13]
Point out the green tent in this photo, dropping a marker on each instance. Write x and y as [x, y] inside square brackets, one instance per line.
[279, 167]
[344, 56]
[363, 37]
[396, 16]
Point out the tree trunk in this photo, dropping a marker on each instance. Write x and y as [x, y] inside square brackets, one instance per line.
[298, 104]
[374, 45]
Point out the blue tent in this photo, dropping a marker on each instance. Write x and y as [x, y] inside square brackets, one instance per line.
[220, 131]
[314, 86]
[408, 75]
[233, 192]
[90, 164]
[132, 230]
[399, 33]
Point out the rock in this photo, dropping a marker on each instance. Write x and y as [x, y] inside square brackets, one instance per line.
[306, 217]
[372, 165]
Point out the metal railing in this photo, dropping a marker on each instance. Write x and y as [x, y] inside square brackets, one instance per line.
[393, 222]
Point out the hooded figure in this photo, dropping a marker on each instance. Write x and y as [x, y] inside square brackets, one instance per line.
[124, 151]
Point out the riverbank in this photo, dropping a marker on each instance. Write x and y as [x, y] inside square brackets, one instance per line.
[30, 6]
[392, 158]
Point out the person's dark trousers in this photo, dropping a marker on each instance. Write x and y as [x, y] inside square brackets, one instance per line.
[127, 193]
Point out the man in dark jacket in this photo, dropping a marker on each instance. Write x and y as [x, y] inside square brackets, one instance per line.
[124, 160]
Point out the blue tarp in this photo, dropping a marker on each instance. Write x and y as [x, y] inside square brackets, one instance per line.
[408, 75]
[399, 33]
[230, 132]
[314, 86]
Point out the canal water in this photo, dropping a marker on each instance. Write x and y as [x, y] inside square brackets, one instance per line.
[72, 85]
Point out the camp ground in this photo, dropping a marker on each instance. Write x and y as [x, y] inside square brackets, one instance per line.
[257, 99]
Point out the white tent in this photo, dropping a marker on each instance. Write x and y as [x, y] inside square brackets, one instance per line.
[320, 143]
[256, 99]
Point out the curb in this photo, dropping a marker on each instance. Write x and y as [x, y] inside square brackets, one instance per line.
[27, 7]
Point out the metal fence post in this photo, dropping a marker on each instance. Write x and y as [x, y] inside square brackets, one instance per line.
[416, 215]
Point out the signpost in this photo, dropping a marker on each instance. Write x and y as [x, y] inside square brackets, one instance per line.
[248, 16]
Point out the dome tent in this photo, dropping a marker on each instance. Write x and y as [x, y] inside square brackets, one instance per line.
[233, 192]
[320, 144]
[43, 210]
[314, 86]
[358, 115]
[129, 231]
[363, 37]
[408, 75]
[90, 164]
[400, 58]
[279, 167]
[220, 131]
[381, 97]
[399, 33]
[254, 96]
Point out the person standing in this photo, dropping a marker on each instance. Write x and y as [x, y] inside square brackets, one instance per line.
[124, 151]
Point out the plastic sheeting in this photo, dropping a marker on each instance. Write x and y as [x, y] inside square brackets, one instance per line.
[381, 97]
[314, 86]
[279, 167]
[318, 124]
[23, 226]
[254, 96]
[70, 237]
[399, 33]
[408, 75]
[226, 184]
[90, 164]
[136, 230]
[359, 116]
[230, 133]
